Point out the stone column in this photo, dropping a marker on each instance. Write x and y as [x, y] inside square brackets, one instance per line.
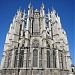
[31, 25]
[3, 60]
[45, 58]
[38, 58]
[22, 30]
[12, 59]
[57, 59]
[25, 53]
[31, 50]
[18, 57]
[6, 65]
[51, 58]
[64, 62]
[42, 58]
[49, 23]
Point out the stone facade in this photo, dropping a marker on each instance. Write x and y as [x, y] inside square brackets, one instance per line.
[36, 44]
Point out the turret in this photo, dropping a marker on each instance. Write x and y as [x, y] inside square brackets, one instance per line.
[27, 32]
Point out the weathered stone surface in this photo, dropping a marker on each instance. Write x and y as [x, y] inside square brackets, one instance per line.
[36, 44]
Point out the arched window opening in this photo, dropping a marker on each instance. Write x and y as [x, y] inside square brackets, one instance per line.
[16, 56]
[21, 58]
[48, 59]
[72, 70]
[40, 58]
[27, 57]
[35, 57]
[54, 59]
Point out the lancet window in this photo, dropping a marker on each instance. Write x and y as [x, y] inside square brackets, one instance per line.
[54, 58]
[35, 58]
[16, 56]
[48, 59]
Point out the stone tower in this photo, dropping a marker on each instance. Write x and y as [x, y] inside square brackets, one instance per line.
[36, 44]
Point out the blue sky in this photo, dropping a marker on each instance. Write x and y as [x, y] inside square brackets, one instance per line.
[64, 8]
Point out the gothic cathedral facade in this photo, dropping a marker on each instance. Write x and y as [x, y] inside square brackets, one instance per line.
[36, 44]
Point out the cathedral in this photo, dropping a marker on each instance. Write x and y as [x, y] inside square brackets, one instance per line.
[36, 44]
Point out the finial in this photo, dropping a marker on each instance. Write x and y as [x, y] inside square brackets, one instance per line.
[19, 8]
[53, 10]
[58, 18]
[48, 10]
[42, 5]
[32, 7]
[24, 12]
[30, 3]
[29, 6]
[57, 15]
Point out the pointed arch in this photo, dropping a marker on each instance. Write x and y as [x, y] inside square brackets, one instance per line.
[48, 59]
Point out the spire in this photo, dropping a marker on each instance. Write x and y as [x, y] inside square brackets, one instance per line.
[57, 15]
[48, 11]
[20, 8]
[49, 14]
[53, 10]
[19, 13]
[29, 6]
[58, 18]
[42, 7]
[24, 14]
